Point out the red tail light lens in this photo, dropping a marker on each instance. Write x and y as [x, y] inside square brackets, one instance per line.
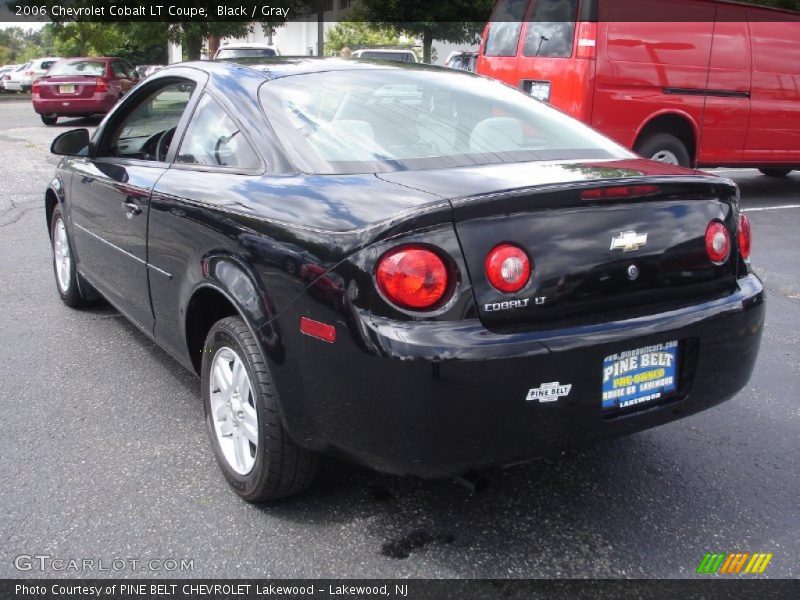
[100, 85]
[508, 268]
[620, 191]
[718, 242]
[28, 73]
[587, 40]
[744, 237]
[412, 277]
[35, 88]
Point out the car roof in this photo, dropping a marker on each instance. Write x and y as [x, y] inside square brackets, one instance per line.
[285, 66]
[235, 45]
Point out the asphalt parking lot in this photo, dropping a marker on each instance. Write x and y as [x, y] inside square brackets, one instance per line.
[104, 453]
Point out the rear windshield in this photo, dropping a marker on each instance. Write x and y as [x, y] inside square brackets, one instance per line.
[503, 35]
[399, 56]
[229, 53]
[551, 29]
[363, 121]
[93, 68]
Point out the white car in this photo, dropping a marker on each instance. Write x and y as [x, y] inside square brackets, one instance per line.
[397, 54]
[6, 70]
[236, 50]
[21, 79]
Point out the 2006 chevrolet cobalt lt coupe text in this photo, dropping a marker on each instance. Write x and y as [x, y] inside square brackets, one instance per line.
[421, 270]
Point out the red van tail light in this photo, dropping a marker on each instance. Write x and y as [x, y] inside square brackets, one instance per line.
[508, 268]
[412, 277]
[101, 85]
[718, 242]
[587, 40]
[744, 237]
[620, 191]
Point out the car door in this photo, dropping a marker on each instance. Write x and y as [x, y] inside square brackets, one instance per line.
[215, 165]
[111, 189]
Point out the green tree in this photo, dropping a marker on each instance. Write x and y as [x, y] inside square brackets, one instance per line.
[456, 21]
[356, 35]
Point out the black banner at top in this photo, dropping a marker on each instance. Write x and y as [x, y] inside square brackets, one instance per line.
[406, 11]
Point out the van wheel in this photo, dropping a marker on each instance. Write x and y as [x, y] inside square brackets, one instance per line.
[49, 119]
[776, 172]
[664, 147]
[255, 453]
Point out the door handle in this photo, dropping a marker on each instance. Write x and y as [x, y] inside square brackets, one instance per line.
[132, 207]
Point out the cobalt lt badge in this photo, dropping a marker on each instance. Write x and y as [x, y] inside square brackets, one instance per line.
[549, 392]
[628, 241]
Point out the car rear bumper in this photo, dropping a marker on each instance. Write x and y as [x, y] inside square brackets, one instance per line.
[97, 104]
[437, 399]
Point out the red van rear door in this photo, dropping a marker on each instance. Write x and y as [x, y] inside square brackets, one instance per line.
[549, 66]
[497, 57]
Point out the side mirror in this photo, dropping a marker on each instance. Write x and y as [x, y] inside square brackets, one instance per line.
[71, 143]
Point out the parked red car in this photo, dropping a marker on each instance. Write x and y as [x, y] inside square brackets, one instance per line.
[79, 87]
[690, 82]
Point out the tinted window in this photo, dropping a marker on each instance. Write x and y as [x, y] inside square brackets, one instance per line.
[398, 56]
[504, 31]
[369, 120]
[158, 114]
[93, 68]
[552, 29]
[227, 54]
[213, 139]
[46, 64]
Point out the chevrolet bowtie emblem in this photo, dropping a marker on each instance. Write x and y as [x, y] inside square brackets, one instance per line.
[628, 241]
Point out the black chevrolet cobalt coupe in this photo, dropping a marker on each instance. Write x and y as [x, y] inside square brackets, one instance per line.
[421, 270]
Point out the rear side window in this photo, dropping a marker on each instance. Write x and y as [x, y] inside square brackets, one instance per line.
[93, 68]
[503, 35]
[46, 64]
[213, 139]
[551, 29]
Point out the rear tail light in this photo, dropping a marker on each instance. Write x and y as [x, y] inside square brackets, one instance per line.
[744, 237]
[587, 40]
[28, 73]
[718, 242]
[412, 277]
[508, 268]
[35, 88]
[101, 85]
[620, 191]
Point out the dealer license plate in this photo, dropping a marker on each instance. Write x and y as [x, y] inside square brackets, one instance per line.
[66, 89]
[640, 376]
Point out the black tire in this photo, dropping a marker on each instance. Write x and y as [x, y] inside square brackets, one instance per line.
[652, 145]
[281, 467]
[775, 172]
[77, 293]
[49, 119]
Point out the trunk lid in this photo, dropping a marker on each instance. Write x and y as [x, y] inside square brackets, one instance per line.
[67, 86]
[590, 257]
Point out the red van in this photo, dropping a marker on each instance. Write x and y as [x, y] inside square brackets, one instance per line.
[707, 83]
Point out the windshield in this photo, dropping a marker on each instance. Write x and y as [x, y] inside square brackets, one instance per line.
[228, 53]
[94, 68]
[364, 121]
